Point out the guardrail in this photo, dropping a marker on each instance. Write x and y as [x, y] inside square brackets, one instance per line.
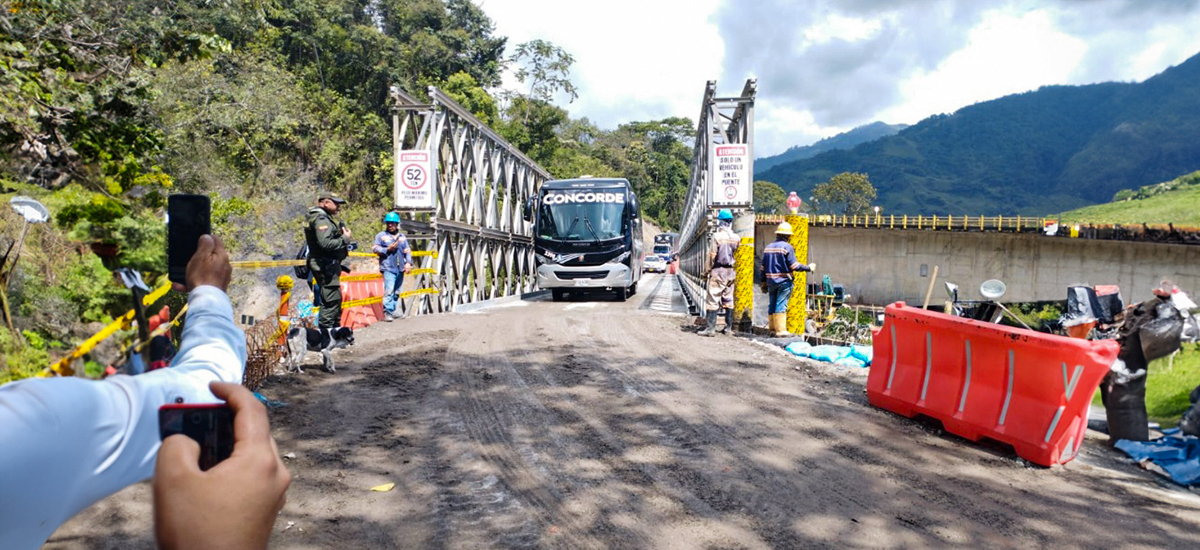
[1161, 233]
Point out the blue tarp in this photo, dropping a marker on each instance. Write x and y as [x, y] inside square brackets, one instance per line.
[850, 356]
[1178, 454]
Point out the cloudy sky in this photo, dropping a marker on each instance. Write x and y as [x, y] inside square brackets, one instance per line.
[826, 66]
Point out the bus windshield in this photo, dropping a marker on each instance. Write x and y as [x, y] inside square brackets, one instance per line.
[662, 249]
[579, 215]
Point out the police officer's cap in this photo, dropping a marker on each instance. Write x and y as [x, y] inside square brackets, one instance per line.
[331, 196]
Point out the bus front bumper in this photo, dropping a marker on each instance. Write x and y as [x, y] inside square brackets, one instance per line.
[606, 276]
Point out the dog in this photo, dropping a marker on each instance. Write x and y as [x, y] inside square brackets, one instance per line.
[302, 340]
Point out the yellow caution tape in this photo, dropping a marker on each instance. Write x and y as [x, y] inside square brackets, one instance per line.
[363, 254]
[138, 346]
[423, 272]
[364, 277]
[362, 302]
[430, 253]
[419, 291]
[63, 366]
[249, 264]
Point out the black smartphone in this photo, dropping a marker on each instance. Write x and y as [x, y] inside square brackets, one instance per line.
[209, 425]
[188, 217]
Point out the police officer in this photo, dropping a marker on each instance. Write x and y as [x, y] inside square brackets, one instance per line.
[722, 248]
[328, 244]
[778, 263]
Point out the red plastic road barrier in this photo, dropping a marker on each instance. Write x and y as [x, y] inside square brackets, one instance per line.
[1025, 388]
[359, 316]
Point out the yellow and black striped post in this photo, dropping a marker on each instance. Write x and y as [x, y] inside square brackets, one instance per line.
[284, 283]
[798, 304]
[743, 288]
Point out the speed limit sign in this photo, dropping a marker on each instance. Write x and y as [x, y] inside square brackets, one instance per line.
[414, 181]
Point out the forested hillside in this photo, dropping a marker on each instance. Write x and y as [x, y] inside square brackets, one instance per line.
[107, 106]
[844, 140]
[1039, 152]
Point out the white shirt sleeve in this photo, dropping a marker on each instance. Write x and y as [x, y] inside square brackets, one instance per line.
[66, 443]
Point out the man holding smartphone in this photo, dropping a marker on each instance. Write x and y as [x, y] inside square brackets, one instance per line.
[66, 443]
[328, 244]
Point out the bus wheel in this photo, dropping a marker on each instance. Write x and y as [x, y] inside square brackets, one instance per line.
[633, 289]
[622, 293]
[556, 294]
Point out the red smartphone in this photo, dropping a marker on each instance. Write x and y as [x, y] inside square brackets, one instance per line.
[209, 425]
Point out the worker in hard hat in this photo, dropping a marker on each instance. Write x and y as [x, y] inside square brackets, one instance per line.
[722, 248]
[395, 259]
[778, 263]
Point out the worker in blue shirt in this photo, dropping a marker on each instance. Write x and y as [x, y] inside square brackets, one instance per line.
[395, 259]
[778, 263]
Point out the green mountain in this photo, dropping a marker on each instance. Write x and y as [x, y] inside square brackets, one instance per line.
[1039, 152]
[844, 140]
[1176, 202]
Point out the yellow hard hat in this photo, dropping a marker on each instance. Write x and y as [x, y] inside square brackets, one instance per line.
[784, 228]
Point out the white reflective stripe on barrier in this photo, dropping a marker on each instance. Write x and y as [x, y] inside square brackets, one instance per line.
[962, 402]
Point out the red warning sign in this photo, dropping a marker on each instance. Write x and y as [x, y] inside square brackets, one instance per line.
[731, 183]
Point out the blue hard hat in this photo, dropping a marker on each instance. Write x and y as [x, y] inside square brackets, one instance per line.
[725, 215]
[391, 217]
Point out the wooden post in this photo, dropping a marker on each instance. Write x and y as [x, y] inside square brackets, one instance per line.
[139, 314]
[929, 290]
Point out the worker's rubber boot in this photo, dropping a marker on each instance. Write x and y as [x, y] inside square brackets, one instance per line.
[779, 326]
[710, 321]
[728, 328]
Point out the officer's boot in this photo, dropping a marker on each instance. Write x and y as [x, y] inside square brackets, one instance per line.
[780, 326]
[728, 329]
[710, 328]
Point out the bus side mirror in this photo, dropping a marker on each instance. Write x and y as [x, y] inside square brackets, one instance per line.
[529, 206]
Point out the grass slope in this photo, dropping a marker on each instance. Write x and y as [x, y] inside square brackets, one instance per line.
[1169, 384]
[1180, 207]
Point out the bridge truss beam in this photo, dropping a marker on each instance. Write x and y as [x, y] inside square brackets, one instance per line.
[483, 247]
[723, 120]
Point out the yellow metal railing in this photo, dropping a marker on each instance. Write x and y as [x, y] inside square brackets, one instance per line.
[1016, 224]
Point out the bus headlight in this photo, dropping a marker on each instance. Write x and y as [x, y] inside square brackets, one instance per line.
[624, 256]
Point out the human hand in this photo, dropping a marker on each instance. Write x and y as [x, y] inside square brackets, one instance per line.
[208, 266]
[407, 267]
[392, 247]
[812, 267]
[233, 504]
[345, 231]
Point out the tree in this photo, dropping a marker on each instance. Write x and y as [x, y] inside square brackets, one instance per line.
[848, 193]
[544, 67]
[768, 198]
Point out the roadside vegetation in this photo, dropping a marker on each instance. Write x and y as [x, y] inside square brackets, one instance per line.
[108, 106]
[1176, 202]
[1170, 382]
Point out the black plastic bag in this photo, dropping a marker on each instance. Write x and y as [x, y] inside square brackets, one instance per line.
[1160, 337]
[302, 272]
[1190, 423]
[1082, 304]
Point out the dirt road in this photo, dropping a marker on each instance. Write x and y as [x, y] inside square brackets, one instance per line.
[597, 424]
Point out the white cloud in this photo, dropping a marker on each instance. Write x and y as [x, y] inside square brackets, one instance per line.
[1005, 54]
[825, 66]
[634, 60]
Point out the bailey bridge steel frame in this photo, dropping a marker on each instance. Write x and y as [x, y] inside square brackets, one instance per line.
[481, 246]
[723, 120]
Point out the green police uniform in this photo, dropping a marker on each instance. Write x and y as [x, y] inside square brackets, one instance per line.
[327, 247]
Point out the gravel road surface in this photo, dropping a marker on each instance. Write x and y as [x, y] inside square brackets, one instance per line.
[601, 424]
